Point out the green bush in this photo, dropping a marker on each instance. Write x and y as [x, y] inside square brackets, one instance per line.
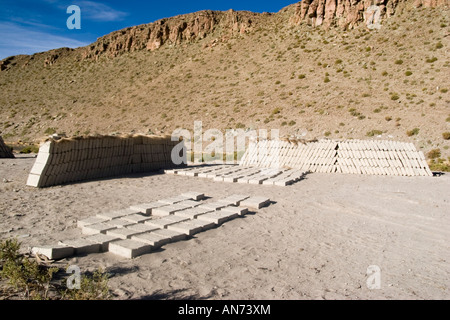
[413, 132]
[50, 131]
[446, 135]
[395, 97]
[23, 273]
[434, 153]
[29, 278]
[30, 149]
[374, 133]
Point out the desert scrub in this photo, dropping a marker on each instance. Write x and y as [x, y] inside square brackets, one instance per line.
[50, 131]
[30, 149]
[23, 273]
[91, 288]
[434, 153]
[446, 135]
[395, 96]
[25, 276]
[413, 132]
[374, 133]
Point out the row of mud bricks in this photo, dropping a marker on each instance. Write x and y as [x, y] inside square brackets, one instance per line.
[77, 159]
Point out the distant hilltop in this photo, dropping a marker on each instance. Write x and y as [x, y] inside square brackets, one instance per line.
[344, 14]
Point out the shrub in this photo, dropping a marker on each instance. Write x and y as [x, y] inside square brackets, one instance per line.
[431, 60]
[395, 97]
[413, 132]
[446, 135]
[31, 279]
[276, 111]
[374, 133]
[326, 80]
[24, 273]
[327, 134]
[302, 76]
[434, 153]
[399, 61]
[30, 149]
[50, 131]
[388, 118]
[408, 73]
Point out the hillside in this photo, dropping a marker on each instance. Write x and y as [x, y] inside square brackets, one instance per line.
[335, 79]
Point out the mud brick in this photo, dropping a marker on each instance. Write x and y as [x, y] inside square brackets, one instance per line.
[122, 233]
[213, 205]
[141, 227]
[255, 202]
[173, 235]
[97, 228]
[161, 223]
[54, 252]
[218, 217]
[120, 223]
[82, 246]
[147, 208]
[284, 182]
[102, 239]
[156, 241]
[186, 227]
[129, 248]
[89, 221]
[192, 213]
[136, 218]
[239, 210]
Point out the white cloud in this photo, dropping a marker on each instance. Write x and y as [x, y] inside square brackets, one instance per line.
[17, 39]
[100, 12]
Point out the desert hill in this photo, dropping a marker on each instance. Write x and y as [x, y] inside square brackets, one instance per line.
[314, 69]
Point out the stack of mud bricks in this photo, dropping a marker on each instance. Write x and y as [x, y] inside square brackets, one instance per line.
[350, 156]
[5, 152]
[77, 159]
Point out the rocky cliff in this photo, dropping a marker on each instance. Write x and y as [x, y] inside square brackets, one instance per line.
[347, 14]
[183, 29]
[173, 31]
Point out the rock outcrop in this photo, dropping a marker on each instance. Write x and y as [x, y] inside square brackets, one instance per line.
[348, 14]
[172, 31]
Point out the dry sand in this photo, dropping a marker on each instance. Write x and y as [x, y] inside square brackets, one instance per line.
[315, 241]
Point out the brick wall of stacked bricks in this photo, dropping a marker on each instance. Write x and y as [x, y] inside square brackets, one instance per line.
[351, 156]
[5, 151]
[77, 159]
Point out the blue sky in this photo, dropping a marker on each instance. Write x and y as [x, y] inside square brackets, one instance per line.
[30, 26]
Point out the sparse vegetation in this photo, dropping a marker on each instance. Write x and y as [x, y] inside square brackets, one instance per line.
[434, 153]
[446, 135]
[373, 133]
[26, 278]
[413, 132]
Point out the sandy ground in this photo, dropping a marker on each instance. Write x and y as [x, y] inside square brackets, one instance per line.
[315, 241]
